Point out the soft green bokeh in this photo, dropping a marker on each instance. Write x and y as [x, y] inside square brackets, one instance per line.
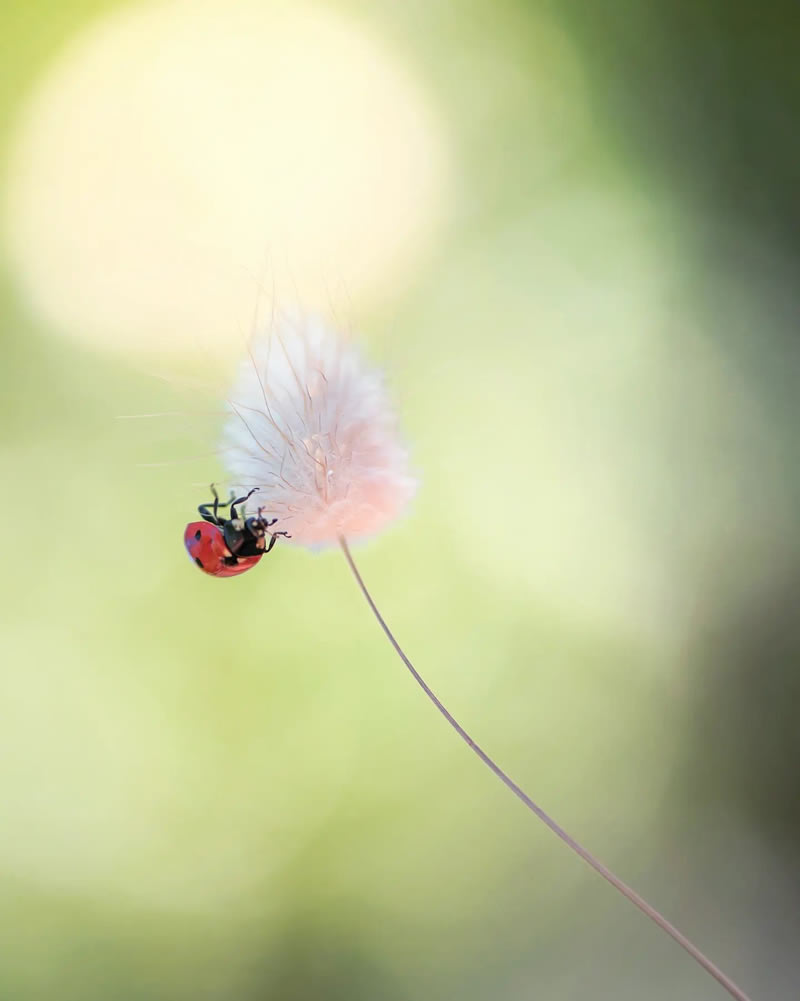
[231, 790]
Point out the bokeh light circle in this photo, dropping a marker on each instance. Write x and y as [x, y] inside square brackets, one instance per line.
[179, 155]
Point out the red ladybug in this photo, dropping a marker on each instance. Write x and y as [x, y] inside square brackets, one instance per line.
[224, 547]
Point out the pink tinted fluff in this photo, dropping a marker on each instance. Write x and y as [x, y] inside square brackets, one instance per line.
[312, 427]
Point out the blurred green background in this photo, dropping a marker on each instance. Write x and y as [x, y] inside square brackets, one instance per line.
[570, 231]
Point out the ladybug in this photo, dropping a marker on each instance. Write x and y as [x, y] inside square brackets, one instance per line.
[225, 547]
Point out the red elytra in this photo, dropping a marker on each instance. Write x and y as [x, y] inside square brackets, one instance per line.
[205, 544]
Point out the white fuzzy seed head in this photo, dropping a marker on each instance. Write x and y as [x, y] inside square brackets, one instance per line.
[311, 426]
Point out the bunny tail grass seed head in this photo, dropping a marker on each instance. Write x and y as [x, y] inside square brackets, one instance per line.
[311, 426]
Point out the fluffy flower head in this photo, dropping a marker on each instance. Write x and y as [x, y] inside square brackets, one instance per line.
[311, 426]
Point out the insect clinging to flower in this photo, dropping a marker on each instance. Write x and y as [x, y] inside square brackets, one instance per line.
[311, 425]
[225, 547]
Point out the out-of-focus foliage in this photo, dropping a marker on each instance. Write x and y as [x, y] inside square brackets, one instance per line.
[230, 790]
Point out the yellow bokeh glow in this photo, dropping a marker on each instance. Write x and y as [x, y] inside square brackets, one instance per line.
[180, 153]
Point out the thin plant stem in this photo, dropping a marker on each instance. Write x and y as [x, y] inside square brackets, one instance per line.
[618, 884]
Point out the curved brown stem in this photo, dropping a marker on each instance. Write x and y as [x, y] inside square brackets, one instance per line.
[628, 892]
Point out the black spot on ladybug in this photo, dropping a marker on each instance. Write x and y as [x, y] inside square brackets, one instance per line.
[198, 535]
[198, 561]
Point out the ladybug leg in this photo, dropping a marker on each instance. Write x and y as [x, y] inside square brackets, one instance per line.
[266, 522]
[208, 516]
[214, 517]
[273, 538]
[240, 500]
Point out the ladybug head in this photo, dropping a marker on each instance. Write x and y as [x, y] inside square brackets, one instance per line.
[205, 544]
